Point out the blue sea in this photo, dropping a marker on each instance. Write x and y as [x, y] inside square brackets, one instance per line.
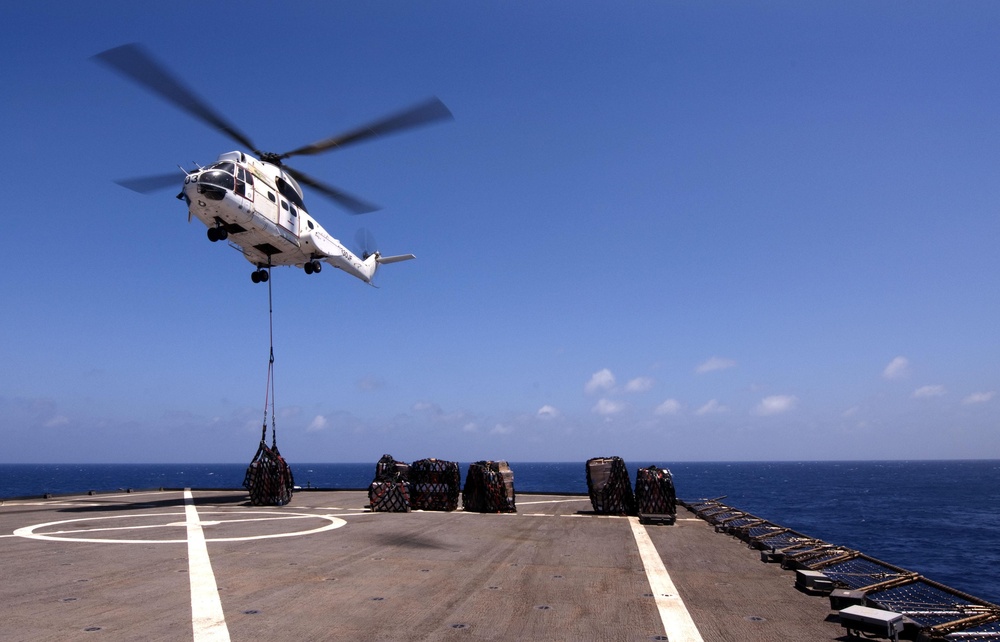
[938, 518]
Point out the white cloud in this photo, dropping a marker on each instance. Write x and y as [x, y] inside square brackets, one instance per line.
[711, 407]
[470, 427]
[501, 429]
[715, 363]
[925, 392]
[318, 423]
[548, 412]
[607, 407]
[775, 405]
[639, 384]
[668, 407]
[897, 368]
[979, 397]
[370, 383]
[55, 422]
[600, 380]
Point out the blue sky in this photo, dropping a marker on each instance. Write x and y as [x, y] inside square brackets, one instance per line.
[670, 231]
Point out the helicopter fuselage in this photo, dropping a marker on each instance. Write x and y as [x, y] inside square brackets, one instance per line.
[258, 208]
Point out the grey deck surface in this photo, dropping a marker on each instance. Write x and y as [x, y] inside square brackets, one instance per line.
[548, 572]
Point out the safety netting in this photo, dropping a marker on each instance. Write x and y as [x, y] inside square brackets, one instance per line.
[609, 486]
[489, 488]
[435, 484]
[936, 611]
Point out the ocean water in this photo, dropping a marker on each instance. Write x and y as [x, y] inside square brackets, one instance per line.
[938, 518]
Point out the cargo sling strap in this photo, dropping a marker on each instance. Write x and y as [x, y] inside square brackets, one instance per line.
[269, 479]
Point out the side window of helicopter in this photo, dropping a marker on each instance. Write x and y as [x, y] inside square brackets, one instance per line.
[310, 224]
[295, 212]
[270, 195]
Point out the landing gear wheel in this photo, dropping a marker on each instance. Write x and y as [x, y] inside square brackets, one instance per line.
[222, 233]
[255, 276]
[213, 234]
[308, 268]
[264, 276]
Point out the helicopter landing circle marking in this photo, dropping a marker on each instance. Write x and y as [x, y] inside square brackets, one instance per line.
[72, 535]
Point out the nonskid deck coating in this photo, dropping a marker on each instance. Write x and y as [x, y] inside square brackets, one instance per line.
[119, 567]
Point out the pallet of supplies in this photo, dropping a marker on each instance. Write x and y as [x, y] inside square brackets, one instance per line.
[655, 498]
[389, 492]
[609, 486]
[435, 484]
[489, 488]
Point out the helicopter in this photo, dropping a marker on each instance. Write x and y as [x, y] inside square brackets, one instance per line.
[255, 201]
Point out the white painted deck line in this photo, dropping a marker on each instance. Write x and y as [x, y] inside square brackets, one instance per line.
[207, 619]
[677, 622]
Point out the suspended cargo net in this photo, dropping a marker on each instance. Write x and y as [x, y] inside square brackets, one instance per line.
[489, 488]
[609, 486]
[654, 494]
[389, 492]
[434, 484]
[269, 479]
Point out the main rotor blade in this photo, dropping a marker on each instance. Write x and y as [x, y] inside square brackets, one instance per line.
[422, 114]
[147, 184]
[341, 198]
[133, 61]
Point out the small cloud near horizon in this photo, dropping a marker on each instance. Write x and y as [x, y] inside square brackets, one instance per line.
[710, 408]
[925, 392]
[668, 407]
[548, 412]
[607, 407]
[979, 397]
[600, 380]
[898, 368]
[775, 405]
[639, 384]
[715, 363]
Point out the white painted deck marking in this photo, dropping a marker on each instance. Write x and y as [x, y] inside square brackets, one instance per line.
[73, 535]
[207, 619]
[677, 621]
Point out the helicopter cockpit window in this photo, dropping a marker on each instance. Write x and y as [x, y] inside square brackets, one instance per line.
[218, 177]
[226, 167]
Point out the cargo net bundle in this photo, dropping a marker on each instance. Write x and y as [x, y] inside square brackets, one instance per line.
[654, 494]
[934, 612]
[435, 484]
[489, 488]
[609, 486]
[269, 479]
[389, 492]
